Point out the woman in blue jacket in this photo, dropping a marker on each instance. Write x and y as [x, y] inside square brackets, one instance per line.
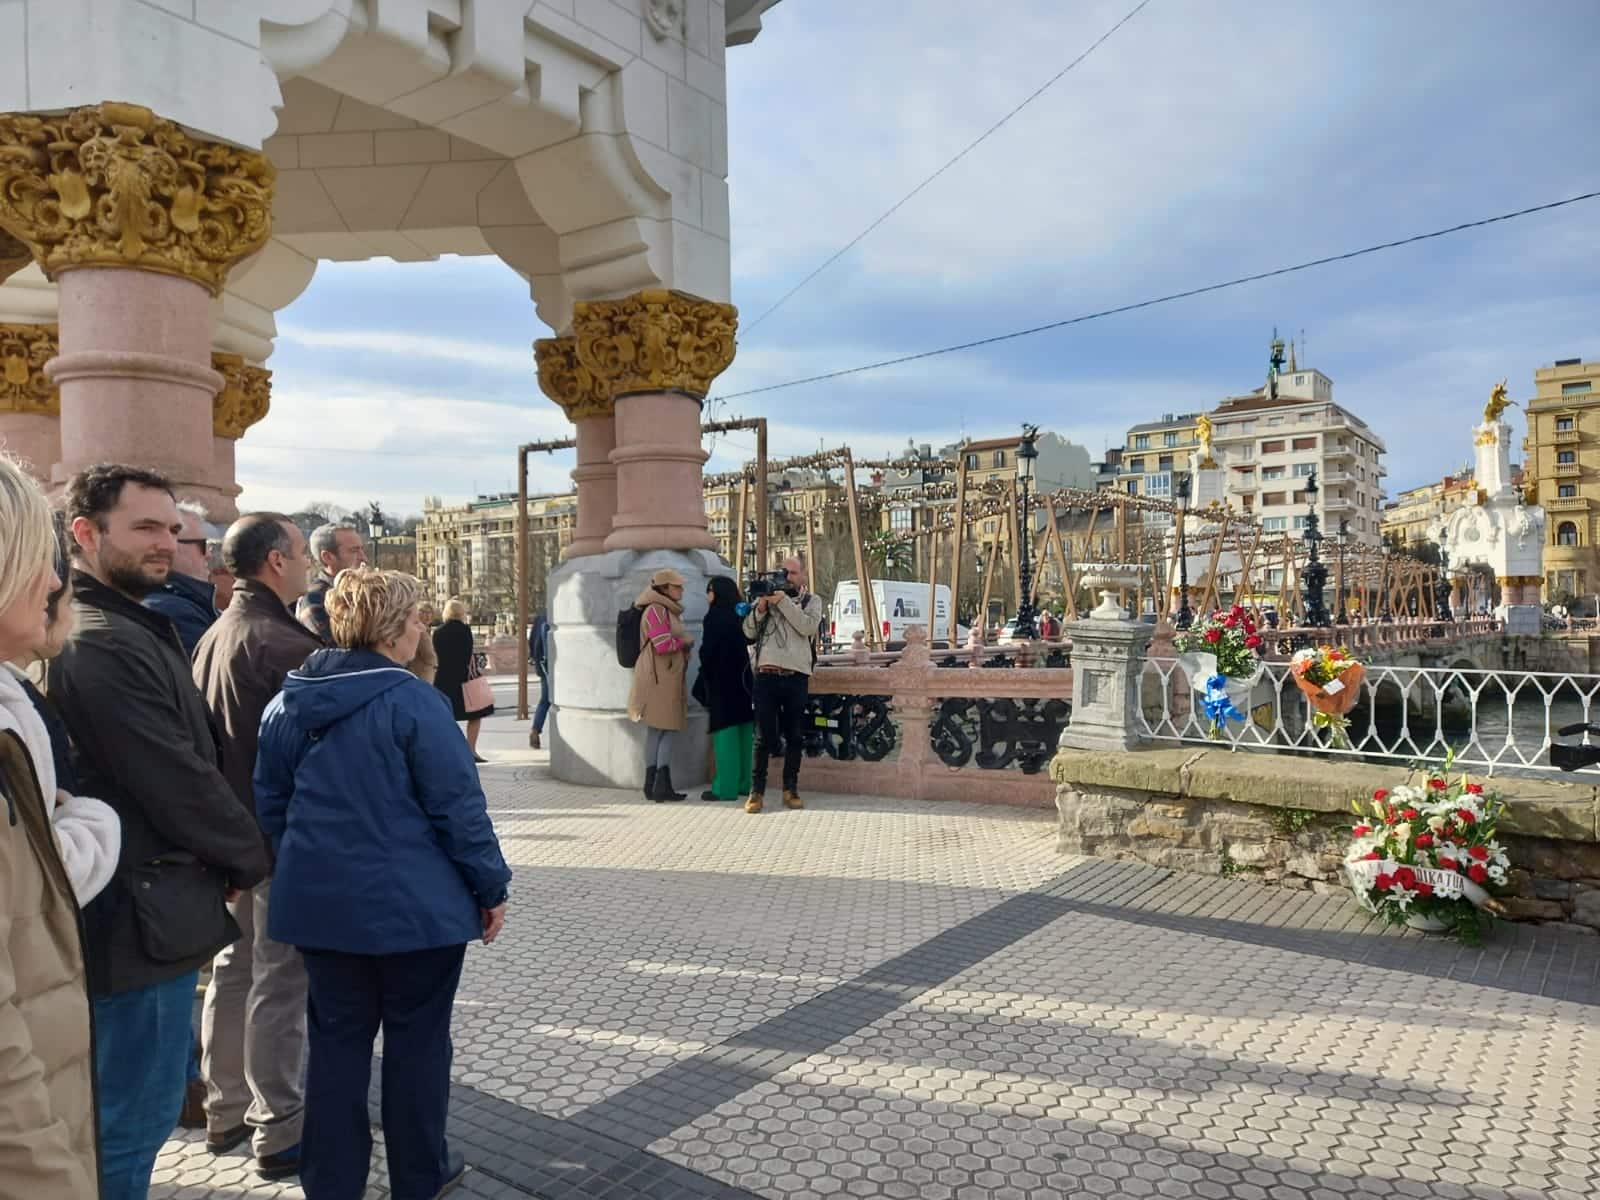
[386, 867]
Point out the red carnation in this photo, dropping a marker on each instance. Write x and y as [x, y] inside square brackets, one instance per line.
[1237, 610]
[1409, 814]
[1361, 830]
[1424, 889]
[1371, 854]
[1481, 853]
[1477, 872]
[1405, 877]
[1424, 840]
[1252, 642]
[1475, 788]
[1213, 636]
[1381, 794]
[1449, 864]
[1437, 785]
[1384, 882]
[1466, 816]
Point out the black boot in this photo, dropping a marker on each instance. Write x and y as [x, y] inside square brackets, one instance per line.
[649, 783]
[664, 790]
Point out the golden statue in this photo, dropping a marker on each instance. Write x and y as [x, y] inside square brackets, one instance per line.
[1497, 402]
[1202, 434]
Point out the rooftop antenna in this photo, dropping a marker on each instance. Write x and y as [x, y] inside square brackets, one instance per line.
[1303, 345]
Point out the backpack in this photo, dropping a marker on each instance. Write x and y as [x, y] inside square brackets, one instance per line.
[629, 641]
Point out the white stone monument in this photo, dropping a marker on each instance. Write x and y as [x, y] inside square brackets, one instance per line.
[1496, 528]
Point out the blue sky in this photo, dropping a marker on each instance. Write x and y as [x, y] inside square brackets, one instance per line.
[1207, 139]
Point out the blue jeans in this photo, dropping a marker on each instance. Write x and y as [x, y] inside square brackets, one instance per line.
[543, 711]
[351, 996]
[142, 1042]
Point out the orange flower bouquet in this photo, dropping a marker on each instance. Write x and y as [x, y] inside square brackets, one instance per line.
[1331, 682]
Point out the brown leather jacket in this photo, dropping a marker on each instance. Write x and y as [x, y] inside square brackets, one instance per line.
[47, 1139]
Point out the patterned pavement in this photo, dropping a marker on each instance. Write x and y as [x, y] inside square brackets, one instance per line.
[878, 998]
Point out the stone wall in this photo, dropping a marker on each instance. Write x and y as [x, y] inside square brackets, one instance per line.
[1285, 819]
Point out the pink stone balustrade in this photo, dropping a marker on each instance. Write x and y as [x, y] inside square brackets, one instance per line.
[915, 686]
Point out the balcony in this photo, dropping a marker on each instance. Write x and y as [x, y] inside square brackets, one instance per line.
[1568, 470]
[1567, 504]
[1566, 437]
[1337, 450]
[1338, 504]
[1334, 477]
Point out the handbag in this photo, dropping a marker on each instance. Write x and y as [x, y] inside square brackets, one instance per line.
[476, 694]
[178, 908]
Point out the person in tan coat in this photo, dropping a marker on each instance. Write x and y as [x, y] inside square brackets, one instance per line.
[660, 696]
[48, 1149]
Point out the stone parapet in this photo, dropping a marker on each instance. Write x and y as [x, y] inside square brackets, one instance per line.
[1286, 819]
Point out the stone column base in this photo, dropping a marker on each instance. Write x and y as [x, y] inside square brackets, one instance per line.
[591, 739]
[1522, 620]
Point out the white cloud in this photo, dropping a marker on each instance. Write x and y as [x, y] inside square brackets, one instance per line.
[406, 344]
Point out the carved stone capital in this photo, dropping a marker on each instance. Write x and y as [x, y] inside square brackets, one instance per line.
[14, 255]
[24, 350]
[245, 397]
[579, 391]
[114, 185]
[655, 341]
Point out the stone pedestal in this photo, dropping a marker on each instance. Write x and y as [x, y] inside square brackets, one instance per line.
[1108, 654]
[591, 739]
[1522, 620]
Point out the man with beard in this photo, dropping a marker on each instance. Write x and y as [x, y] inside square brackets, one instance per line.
[143, 741]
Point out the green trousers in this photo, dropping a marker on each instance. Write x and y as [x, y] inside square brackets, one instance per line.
[735, 749]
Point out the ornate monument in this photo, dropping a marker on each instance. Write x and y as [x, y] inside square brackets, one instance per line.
[1496, 527]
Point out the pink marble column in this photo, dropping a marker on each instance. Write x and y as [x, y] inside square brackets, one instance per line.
[596, 482]
[35, 438]
[136, 379]
[658, 460]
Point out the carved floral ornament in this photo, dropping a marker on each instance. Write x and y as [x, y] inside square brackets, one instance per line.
[579, 391]
[655, 341]
[115, 185]
[24, 350]
[245, 397]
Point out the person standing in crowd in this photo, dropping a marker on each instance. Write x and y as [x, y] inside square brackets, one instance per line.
[221, 580]
[425, 666]
[387, 865]
[783, 627]
[539, 656]
[188, 598]
[335, 547]
[660, 695]
[47, 1150]
[143, 743]
[253, 1027]
[452, 646]
[726, 687]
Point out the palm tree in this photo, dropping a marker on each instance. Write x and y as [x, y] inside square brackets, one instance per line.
[889, 555]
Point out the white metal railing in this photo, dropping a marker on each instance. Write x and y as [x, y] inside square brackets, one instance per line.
[1493, 720]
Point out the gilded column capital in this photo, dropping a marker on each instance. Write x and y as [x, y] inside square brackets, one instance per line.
[245, 397]
[578, 390]
[14, 255]
[656, 341]
[114, 185]
[24, 350]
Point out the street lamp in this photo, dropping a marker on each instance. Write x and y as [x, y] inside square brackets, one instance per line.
[1027, 456]
[1441, 588]
[1344, 536]
[375, 535]
[1316, 576]
[750, 549]
[1185, 617]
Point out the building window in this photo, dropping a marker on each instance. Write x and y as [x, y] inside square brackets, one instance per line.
[1133, 487]
[1158, 485]
[1272, 447]
[1274, 524]
[1301, 470]
[1563, 424]
[999, 458]
[1573, 389]
[1567, 491]
[1299, 380]
[900, 520]
[1274, 420]
[1566, 534]
[1271, 498]
[1298, 498]
[1566, 456]
[1169, 439]
[1136, 465]
[1305, 443]
[972, 462]
[1271, 473]
[1141, 441]
[1164, 463]
[1299, 522]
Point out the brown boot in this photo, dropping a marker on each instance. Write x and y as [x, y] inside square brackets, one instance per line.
[753, 805]
[193, 1113]
[533, 740]
[792, 799]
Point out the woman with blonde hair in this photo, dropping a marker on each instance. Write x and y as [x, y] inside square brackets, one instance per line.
[457, 671]
[387, 866]
[47, 1103]
[426, 664]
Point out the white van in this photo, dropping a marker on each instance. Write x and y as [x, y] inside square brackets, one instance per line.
[899, 605]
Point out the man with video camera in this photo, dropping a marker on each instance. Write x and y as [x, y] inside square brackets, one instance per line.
[782, 623]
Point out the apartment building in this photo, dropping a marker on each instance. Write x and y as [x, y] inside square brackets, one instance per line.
[1156, 454]
[1408, 518]
[1563, 466]
[1271, 440]
[469, 550]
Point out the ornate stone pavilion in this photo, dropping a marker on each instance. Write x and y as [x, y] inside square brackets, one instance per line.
[171, 172]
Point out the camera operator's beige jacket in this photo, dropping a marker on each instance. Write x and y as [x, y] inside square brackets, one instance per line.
[790, 629]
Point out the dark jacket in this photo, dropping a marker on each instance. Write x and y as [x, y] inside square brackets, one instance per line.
[729, 685]
[60, 743]
[190, 604]
[240, 666]
[143, 743]
[311, 612]
[370, 798]
[539, 645]
[452, 642]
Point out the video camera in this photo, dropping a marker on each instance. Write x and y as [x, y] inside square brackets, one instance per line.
[768, 585]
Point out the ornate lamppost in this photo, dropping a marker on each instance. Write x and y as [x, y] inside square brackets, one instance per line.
[1185, 616]
[1027, 456]
[1316, 575]
[1343, 617]
[1441, 588]
[375, 536]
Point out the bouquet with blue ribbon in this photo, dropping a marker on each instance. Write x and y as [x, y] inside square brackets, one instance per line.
[1217, 705]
